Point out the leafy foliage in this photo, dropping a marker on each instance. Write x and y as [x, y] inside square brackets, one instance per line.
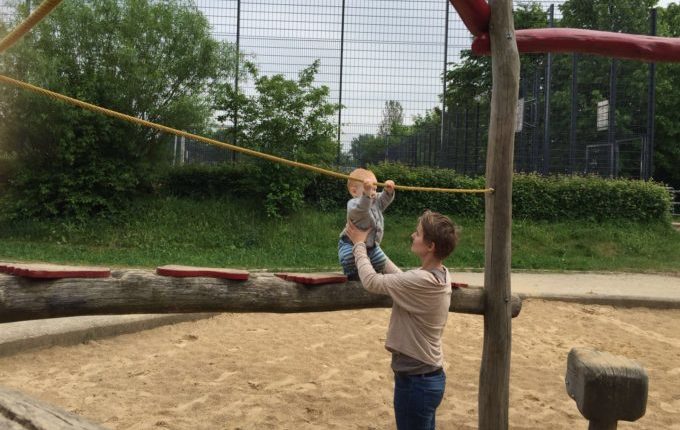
[291, 118]
[149, 59]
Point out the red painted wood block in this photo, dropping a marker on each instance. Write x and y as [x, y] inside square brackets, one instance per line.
[203, 272]
[56, 271]
[475, 14]
[313, 278]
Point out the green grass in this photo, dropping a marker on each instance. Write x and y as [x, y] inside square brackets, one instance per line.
[236, 233]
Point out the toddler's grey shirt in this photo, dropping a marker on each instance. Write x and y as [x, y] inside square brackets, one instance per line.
[365, 213]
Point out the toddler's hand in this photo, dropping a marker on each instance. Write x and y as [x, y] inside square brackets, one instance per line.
[369, 188]
[389, 187]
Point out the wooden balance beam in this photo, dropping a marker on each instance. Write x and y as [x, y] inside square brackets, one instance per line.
[135, 291]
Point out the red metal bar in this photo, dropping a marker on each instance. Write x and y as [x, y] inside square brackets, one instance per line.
[475, 14]
[608, 44]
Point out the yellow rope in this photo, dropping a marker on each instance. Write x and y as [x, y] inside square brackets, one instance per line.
[38, 14]
[214, 142]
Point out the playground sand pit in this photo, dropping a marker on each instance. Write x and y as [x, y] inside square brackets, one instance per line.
[330, 371]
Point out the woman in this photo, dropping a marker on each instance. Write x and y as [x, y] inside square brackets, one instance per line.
[421, 300]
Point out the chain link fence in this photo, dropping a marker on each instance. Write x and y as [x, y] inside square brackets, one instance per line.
[596, 127]
[579, 114]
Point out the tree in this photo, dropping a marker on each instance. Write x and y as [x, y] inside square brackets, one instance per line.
[628, 16]
[393, 119]
[291, 118]
[150, 59]
[469, 81]
[368, 149]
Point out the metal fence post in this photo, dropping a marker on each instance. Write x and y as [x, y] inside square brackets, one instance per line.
[465, 143]
[611, 135]
[651, 101]
[174, 151]
[238, 70]
[476, 139]
[520, 139]
[446, 58]
[456, 141]
[536, 118]
[546, 124]
[342, 55]
[574, 112]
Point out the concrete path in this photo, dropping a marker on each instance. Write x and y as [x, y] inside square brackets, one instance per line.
[617, 289]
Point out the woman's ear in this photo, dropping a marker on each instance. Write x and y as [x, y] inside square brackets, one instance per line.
[430, 247]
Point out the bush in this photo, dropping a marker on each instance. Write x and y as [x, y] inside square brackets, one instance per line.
[589, 198]
[534, 197]
[279, 188]
[201, 181]
[7, 171]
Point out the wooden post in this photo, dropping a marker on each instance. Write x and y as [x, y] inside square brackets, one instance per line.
[606, 388]
[494, 377]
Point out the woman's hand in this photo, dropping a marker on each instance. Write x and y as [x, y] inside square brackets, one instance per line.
[355, 234]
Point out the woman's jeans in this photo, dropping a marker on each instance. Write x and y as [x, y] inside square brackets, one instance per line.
[416, 398]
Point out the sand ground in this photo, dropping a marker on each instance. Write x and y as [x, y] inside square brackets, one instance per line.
[330, 370]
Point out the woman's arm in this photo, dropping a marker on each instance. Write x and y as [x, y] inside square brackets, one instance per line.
[371, 280]
[405, 288]
[358, 236]
[390, 267]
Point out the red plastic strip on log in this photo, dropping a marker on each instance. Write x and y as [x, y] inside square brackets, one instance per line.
[475, 15]
[5, 267]
[202, 272]
[313, 278]
[604, 43]
[54, 271]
